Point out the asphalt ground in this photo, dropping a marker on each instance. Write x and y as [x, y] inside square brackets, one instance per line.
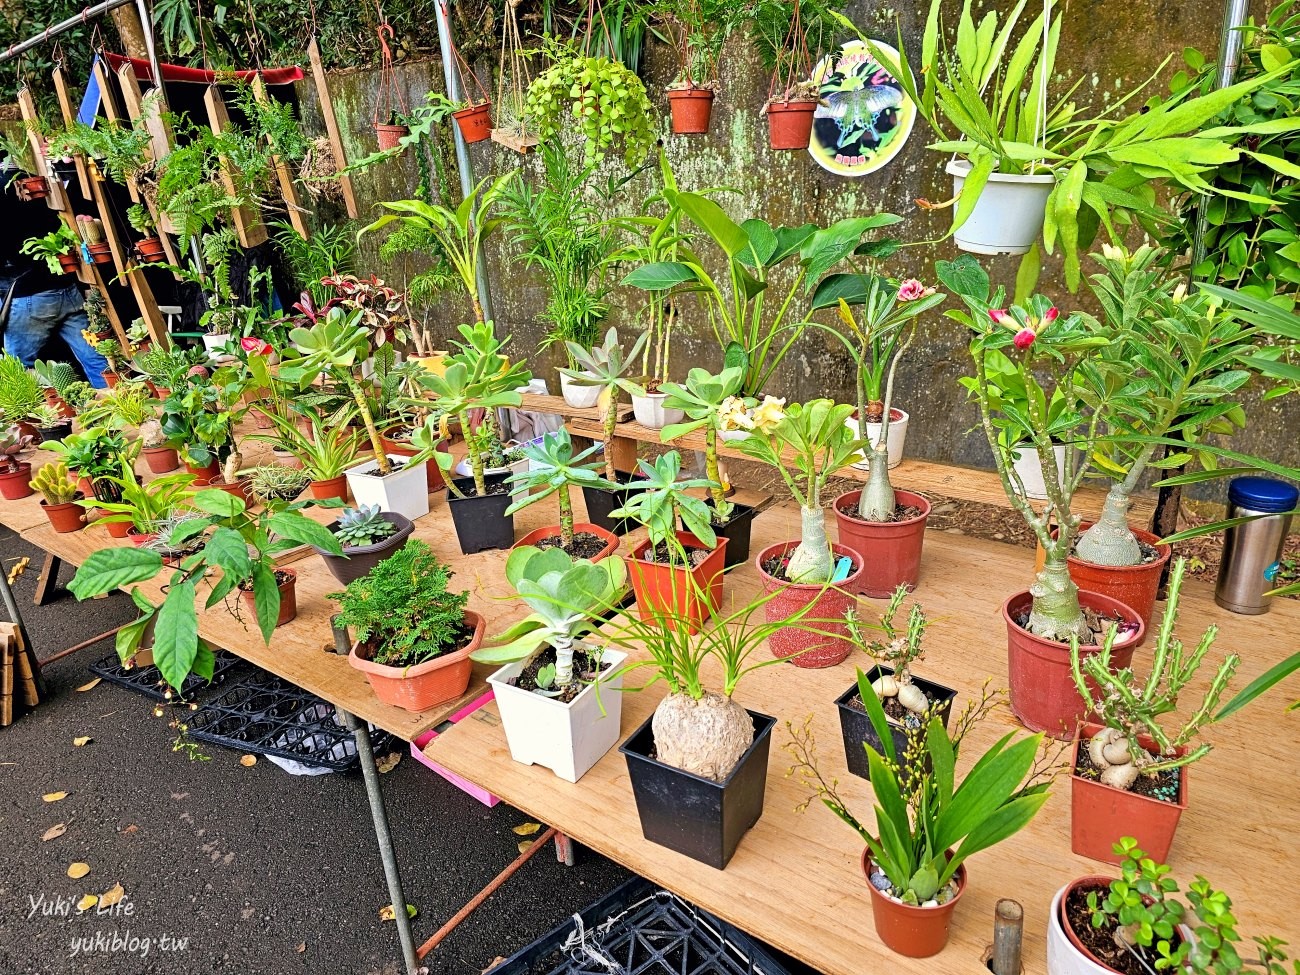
[257, 871]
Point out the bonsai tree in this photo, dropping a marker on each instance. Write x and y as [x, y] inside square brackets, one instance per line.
[553, 469]
[702, 398]
[812, 439]
[606, 366]
[898, 651]
[241, 545]
[568, 597]
[660, 500]
[1129, 708]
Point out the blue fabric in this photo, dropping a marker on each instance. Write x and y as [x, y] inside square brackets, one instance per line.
[33, 319]
[89, 110]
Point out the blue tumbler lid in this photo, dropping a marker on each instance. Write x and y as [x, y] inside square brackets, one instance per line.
[1262, 494]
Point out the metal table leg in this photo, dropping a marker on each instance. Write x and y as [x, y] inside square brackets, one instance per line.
[370, 773]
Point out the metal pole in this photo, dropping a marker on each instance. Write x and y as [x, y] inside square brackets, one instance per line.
[146, 25]
[455, 91]
[380, 816]
[64, 25]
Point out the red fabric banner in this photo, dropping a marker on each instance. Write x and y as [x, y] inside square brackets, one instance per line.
[199, 76]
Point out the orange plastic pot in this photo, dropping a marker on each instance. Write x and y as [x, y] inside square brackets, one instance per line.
[553, 531]
[288, 598]
[149, 249]
[789, 124]
[419, 688]
[203, 476]
[890, 550]
[831, 645]
[69, 263]
[692, 109]
[239, 488]
[916, 932]
[16, 485]
[335, 487]
[65, 517]
[475, 122]
[161, 460]
[432, 472]
[100, 253]
[118, 529]
[688, 594]
[110, 379]
[1132, 585]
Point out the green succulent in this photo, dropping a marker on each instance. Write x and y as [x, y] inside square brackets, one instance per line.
[362, 525]
[20, 392]
[57, 376]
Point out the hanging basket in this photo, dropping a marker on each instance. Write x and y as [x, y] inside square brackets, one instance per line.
[789, 124]
[475, 122]
[692, 110]
[1008, 217]
[390, 135]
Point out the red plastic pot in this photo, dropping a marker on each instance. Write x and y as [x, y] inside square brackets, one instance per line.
[100, 253]
[16, 485]
[335, 487]
[915, 932]
[432, 472]
[1101, 814]
[110, 379]
[1042, 691]
[33, 187]
[118, 529]
[813, 650]
[149, 249]
[389, 135]
[553, 531]
[475, 122]
[789, 124]
[239, 488]
[419, 688]
[891, 551]
[675, 590]
[203, 476]
[691, 108]
[1133, 585]
[139, 539]
[65, 517]
[69, 262]
[288, 599]
[161, 460]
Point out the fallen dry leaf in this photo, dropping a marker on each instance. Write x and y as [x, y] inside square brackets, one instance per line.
[525, 844]
[133, 828]
[527, 829]
[90, 686]
[386, 912]
[248, 761]
[302, 946]
[79, 742]
[388, 762]
[87, 902]
[112, 896]
[498, 960]
[54, 796]
[54, 832]
[78, 870]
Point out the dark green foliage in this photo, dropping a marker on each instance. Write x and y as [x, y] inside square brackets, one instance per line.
[403, 610]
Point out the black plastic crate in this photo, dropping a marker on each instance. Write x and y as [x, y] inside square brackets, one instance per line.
[265, 715]
[149, 682]
[641, 930]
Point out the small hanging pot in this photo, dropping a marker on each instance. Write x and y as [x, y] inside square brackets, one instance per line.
[789, 124]
[474, 122]
[692, 110]
[390, 135]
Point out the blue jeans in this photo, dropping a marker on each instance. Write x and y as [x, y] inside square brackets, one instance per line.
[32, 319]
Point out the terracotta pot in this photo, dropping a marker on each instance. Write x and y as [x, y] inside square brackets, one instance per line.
[33, 187]
[110, 379]
[691, 108]
[288, 599]
[161, 460]
[65, 517]
[1132, 585]
[1042, 692]
[149, 249]
[433, 473]
[789, 124]
[553, 531]
[389, 135]
[475, 122]
[100, 253]
[139, 539]
[335, 487]
[286, 459]
[70, 263]
[84, 486]
[16, 485]
[677, 590]
[118, 529]
[419, 688]
[239, 488]
[891, 551]
[915, 932]
[1101, 814]
[809, 650]
[204, 475]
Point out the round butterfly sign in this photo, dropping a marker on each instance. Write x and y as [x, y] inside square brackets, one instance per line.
[864, 116]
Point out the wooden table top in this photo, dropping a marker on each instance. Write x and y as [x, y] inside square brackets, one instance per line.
[796, 880]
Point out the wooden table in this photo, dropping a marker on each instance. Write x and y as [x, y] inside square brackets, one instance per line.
[796, 881]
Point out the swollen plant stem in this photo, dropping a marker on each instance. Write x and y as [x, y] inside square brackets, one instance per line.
[563, 661]
[877, 500]
[811, 562]
[721, 506]
[363, 410]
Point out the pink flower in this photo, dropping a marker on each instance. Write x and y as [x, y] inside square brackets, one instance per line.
[255, 346]
[911, 290]
[1050, 315]
[999, 316]
[1024, 338]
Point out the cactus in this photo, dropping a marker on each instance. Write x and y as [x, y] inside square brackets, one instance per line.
[898, 652]
[55, 375]
[54, 482]
[362, 525]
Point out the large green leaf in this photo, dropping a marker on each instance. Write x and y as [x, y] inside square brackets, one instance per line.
[660, 276]
[713, 220]
[227, 550]
[850, 287]
[217, 502]
[301, 529]
[1264, 682]
[112, 568]
[176, 636]
[990, 784]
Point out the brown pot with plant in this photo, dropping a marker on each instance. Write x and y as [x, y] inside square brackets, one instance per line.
[60, 497]
[15, 474]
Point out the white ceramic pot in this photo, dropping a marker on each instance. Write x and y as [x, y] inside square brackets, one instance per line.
[579, 397]
[405, 491]
[566, 738]
[213, 342]
[650, 412]
[1063, 958]
[1025, 462]
[893, 446]
[1009, 215]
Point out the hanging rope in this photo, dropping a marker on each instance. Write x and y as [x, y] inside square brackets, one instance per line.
[392, 99]
[1041, 129]
[463, 68]
[796, 43]
[515, 64]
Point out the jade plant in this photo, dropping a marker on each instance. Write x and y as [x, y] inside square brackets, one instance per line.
[702, 398]
[606, 366]
[554, 468]
[1128, 707]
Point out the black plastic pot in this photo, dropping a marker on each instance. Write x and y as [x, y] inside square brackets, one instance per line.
[601, 502]
[856, 727]
[694, 816]
[736, 532]
[481, 522]
[362, 558]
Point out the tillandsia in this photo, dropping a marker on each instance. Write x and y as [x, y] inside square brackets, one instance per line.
[897, 651]
[1130, 709]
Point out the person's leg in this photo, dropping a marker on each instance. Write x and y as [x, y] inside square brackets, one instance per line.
[73, 322]
[31, 320]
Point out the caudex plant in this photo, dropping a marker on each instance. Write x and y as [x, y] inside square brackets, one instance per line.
[554, 468]
[821, 443]
[701, 398]
[606, 366]
[897, 651]
[1129, 708]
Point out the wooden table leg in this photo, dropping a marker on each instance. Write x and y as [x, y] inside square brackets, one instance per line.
[48, 583]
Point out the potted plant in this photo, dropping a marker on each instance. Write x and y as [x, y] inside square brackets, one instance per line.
[671, 569]
[149, 247]
[58, 249]
[884, 526]
[412, 636]
[812, 568]
[15, 474]
[557, 693]
[200, 416]
[697, 30]
[59, 497]
[161, 456]
[55, 377]
[780, 27]
[367, 536]
[271, 483]
[554, 469]
[929, 822]
[20, 393]
[889, 699]
[17, 147]
[324, 449]
[143, 506]
[1130, 774]
[1052, 353]
[49, 423]
[95, 455]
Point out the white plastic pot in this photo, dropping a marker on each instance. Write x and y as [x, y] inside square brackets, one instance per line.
[214, 341]
[1009, 215]
[1025, 462]
[893, 446]
[579, 397]
[1063, 958]
[566, 738]
[650, 412]
[405, 491]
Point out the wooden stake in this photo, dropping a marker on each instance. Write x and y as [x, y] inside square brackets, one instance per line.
[332, 127]
[288, 190]
[65, 107]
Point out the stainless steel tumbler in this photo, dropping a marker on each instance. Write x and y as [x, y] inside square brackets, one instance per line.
[1251, 550]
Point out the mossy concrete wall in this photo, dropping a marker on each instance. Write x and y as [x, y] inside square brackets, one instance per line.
[1110, 44]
